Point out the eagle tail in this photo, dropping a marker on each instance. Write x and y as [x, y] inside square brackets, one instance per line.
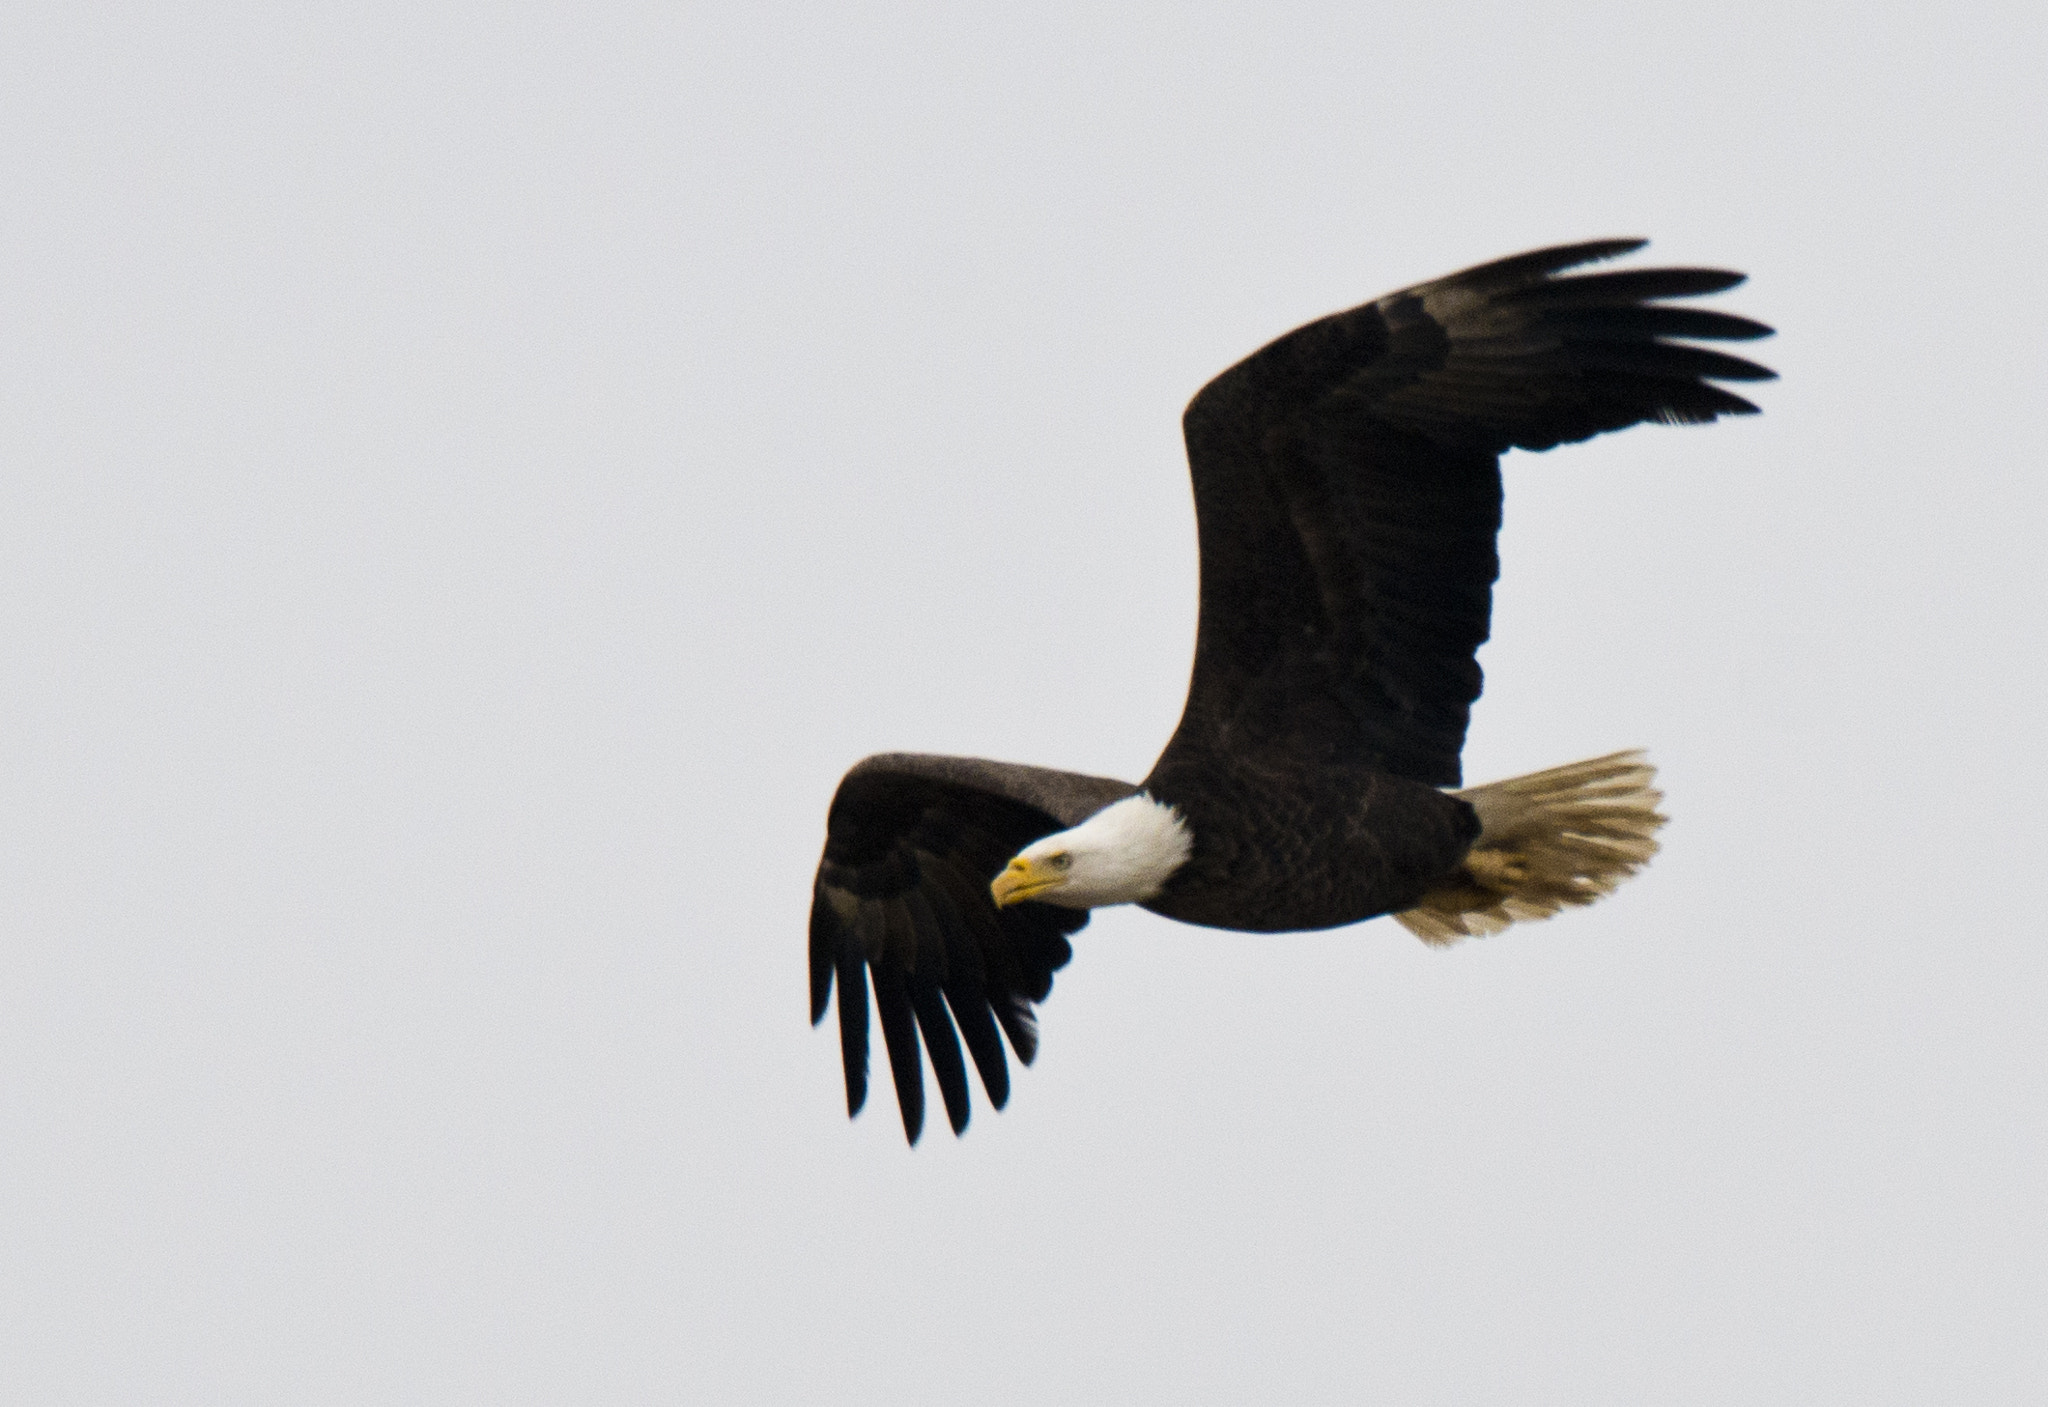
[1547, 841]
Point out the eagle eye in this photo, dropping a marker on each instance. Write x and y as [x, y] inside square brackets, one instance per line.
[1062, 861]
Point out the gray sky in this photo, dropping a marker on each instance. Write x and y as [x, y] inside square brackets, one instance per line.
[476, 476]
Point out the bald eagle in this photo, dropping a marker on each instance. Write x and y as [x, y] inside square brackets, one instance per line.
[1347, 496]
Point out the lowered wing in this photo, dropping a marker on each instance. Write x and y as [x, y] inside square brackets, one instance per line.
[902, 901]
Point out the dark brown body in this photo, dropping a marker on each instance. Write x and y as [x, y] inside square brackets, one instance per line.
[1275, 851]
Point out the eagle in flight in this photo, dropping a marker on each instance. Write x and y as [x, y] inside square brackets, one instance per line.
[1347, 496]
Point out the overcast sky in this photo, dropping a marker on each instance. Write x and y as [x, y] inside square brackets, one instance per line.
[473, 477]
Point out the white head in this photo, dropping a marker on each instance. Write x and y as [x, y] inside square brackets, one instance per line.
[1123, 854]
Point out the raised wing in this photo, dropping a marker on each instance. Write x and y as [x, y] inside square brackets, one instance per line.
[1347, 489]
[902, 899]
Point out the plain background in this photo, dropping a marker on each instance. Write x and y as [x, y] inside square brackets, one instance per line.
[474, 477]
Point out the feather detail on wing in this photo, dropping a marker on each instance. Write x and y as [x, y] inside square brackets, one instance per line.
[902, 901]
[1506, 355]
[1347, 493]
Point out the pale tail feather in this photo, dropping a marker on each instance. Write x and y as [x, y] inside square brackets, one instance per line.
[1547, 841]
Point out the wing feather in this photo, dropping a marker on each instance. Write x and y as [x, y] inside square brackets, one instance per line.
[1347, 494]
[899, 1038]
[943, 1046]
[1624, 286]
[902, 902]
[853, 1025]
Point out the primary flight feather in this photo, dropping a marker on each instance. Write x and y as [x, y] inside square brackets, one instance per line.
[1347, 498]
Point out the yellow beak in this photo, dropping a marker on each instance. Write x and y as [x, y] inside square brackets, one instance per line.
[1021, 880]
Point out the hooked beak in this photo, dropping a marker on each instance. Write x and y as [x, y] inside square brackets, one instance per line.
[1021, 880]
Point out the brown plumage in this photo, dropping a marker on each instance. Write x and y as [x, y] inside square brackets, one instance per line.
[1347, 492]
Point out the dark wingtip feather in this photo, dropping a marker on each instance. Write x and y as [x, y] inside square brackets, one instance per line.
[978, 1032]
[943, 1047]
[853, 1029]
[824, 949]
[1538, 262]
[1627, 286]
[1667, 359]
[1675, 402]
[899, 1038]
[1633, 321]
[1020, 1026]
[1722, 403]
